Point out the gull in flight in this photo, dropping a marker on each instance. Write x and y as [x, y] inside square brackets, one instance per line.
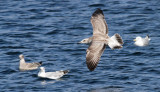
[28, 66]
[99, 40]
[51, 75]
[139, 41]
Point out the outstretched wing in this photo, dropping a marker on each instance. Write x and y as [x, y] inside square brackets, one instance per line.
[99, 23]
[94, 53]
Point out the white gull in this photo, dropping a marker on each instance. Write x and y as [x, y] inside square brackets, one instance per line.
[51, 75]
[139, 41]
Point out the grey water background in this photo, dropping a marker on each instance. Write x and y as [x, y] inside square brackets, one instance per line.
[48, 31]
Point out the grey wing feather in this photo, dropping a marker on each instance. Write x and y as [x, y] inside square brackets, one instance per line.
[57, 74]
[33, 65]
[94, 53]
[99, 23]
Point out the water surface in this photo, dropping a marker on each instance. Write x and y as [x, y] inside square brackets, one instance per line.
[48, 31]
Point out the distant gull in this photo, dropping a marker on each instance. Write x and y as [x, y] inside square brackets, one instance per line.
[28, 66]
[99, 40]
[139, 41]
[51, 75]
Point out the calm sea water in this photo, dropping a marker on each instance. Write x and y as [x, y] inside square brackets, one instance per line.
[48, 31]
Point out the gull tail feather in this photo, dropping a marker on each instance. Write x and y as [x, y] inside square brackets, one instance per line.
[115, 42]
[119, 39]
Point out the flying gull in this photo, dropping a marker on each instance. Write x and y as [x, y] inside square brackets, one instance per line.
[99, 40]
[28, 66]
[139, 41]
[51, 75]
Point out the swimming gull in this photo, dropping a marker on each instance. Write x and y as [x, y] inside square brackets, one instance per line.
[99, 40]
[51, 75]
[139, 41]
[28, 66]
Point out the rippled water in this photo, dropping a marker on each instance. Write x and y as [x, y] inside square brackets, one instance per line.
[48, 31]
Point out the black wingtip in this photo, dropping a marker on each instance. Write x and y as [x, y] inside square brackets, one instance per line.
[40, 62]
[147, 35]
[91, 68]
[66, 71]
[97, 12]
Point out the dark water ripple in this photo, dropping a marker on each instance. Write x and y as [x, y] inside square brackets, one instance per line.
[48, 31]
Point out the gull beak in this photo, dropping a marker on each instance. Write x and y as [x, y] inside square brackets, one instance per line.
[134, 40]
[79, 42]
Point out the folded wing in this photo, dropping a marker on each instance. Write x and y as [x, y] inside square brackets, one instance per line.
[56, 75]
[34, 65]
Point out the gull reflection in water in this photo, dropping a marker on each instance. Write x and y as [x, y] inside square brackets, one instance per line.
[44, 82]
